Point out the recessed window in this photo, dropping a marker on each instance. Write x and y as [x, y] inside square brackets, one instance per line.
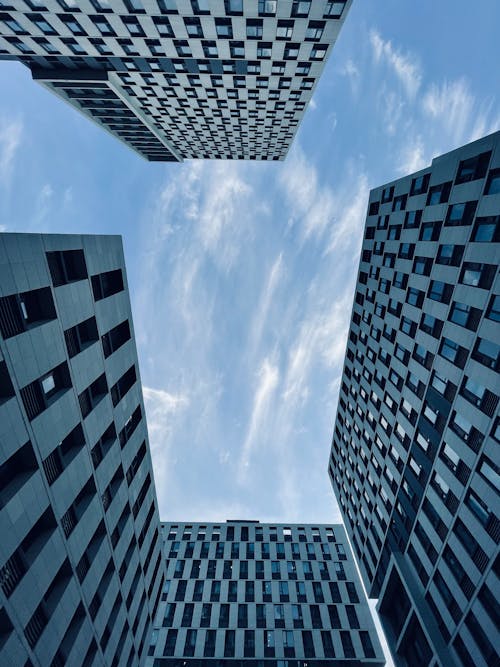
[439, 194]
[493, 183]
[419, 184]
[473, 168]
[487, 229]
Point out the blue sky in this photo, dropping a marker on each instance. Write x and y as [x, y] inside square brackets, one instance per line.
[242, 274]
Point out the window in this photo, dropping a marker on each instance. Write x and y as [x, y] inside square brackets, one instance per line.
[449, 349]
[38, 395]
[479, 508]
[66, 266]
[439, 194]
[477, 275]
[103, 26]
[419, 184]
[493, 183]
[439, 291]
[406, 250]
[430, 231]
[107, 283]
[490, 471]
[414, 296]
[493, 312]
[267, 7]
[450, 255]
[486, 352]
[464, 315]
[79, 337]
[42, 24]
[461, 214]
[399, 203]
[254, 28]
[20, 312]
[487, 229]
[300, 8]
[224, 28]
[394, 232]
[334, 8]
[473, 168]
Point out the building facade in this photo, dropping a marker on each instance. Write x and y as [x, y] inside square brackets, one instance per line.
[245, 593]
[81, 570]
[414, 459]
[177, 79]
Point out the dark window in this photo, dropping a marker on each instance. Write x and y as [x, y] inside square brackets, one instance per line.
[124, 384]
[23, 311]
[450, 255]
[15, 472]
[67, 266]
[91, 396]
[412, 219]
[63, 454]
[81, 336]
[487, 229]
[6, 387]
[493, 183]
[478, 275]
[106, 284]
[38, 395]
[229, 644]
[347, 644]
[439, 194]
[419, 184]
[430, 231]
[367, 645]
[170, 642]
[461, 214]
[473, 168]
[115, 338]
[399, 203]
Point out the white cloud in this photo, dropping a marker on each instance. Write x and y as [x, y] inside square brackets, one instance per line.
[312, 104]
[350, 209]
[268, 378]
[11, 133]
[275, 276]
[412, 156]
[454, 107]
[352, 72]
[404, 65]
[309, 201]
[162, 408]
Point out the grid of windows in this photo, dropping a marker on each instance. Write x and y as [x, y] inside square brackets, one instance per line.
[248, 590]
[80, 568]
[418, 402]
[181, 79]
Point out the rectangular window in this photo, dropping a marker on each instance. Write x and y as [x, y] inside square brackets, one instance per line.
[473, 168]
[66, 266]
[439, 194]
[107, 283]
[81, 336]
[26, 310]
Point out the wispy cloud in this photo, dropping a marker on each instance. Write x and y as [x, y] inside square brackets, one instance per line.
[267, 381]
[309, 201]
[453, 106]
[162, 408]
[404, 65]
[11, 133]
[412, 156]
[274, 277]
[353, 74]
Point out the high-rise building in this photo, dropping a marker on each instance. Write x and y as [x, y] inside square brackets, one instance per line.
[177, 79]
[81, 570]
[242, 593]
[414, 459]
